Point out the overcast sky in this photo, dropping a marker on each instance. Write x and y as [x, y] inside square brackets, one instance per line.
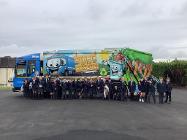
[156, 26]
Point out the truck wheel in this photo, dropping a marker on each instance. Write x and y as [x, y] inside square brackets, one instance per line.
[66, 73]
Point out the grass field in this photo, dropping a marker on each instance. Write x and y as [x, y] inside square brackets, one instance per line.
[5, 88]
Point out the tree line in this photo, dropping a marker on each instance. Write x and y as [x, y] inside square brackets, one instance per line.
[175, 70]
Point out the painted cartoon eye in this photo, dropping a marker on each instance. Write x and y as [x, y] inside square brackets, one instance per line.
[49, 63]
[62, 62]
[56, 62]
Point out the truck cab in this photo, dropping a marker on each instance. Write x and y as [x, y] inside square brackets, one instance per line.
[26, 67]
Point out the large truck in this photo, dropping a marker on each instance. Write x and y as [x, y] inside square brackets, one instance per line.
[114, 62]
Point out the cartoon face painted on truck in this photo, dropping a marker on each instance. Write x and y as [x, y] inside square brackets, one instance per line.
[55, 63]
[62, 65]
[116, 69]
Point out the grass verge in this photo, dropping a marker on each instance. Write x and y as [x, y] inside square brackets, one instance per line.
[5, 88]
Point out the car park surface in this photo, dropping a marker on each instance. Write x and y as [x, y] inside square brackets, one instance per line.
[22, 118]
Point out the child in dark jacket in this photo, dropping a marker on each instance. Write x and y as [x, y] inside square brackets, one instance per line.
[141, 87]
[161, 88]
[168, 90]
[151, 92]
[132, 88]
[26, 88]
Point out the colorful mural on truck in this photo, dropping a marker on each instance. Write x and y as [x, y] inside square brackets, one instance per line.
[117, 63]
[139, 64]
[71, 62]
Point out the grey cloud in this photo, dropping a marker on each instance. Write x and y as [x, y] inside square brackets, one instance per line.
[135, 9]
[147, 25]
[96, 10]
[3, 4]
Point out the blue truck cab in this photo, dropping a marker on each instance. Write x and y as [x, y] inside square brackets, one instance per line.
[26, 66]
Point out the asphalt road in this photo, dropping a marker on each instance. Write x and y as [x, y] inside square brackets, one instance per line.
[26, 119]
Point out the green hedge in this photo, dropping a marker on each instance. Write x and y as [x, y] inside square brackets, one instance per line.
[176, 70]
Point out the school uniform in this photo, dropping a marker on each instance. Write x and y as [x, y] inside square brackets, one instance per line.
[77, 89]
[66, 90]
[35, 86]
[85, 89]
[92, 91]
[116, 90]
[69, 90]
[58, 89]
[26, 89]
[30, 89]
[100, 88]
[81, 89]
[63, 89]
[107, 89]
[52, 91]
[146, 88]
[142, 90]
[151, 93]
[161, 88]
[110, 89]
[73, 89]
[40, 88]
[47, 87]
[132, 88]
[168, 92]
[124, 91]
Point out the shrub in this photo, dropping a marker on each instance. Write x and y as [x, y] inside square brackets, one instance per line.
[175, 70]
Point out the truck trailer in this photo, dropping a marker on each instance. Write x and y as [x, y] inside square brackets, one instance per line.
[115, 63]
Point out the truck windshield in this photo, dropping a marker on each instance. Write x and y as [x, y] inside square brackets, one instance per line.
[21, 71]
[31, 67]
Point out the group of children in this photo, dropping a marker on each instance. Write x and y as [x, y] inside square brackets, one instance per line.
[101, 88]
